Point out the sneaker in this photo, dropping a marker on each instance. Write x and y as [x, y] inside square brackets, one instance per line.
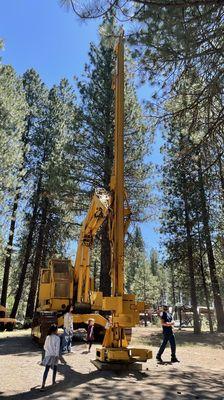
[159, 359]
[174, 360]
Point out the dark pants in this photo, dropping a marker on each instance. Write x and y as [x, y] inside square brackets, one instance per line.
[90, 342]
[168, 337]
[46, 373]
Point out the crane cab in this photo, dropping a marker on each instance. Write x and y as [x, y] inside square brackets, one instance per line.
[56, 285]
[55, 293]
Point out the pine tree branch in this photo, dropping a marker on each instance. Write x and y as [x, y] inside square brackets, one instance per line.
[184, 3]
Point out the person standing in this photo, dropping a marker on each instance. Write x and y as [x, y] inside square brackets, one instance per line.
[90, 332]
[67, 336]
[52, 349]
[168, 336]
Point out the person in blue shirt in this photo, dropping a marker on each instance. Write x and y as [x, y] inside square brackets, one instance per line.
[168, 336]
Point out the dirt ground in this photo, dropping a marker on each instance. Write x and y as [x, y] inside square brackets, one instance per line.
[199, 375]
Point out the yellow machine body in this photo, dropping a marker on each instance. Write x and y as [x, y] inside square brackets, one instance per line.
[56, 291]
[61, 284]
[5, 321]
[125, 354]
[125, 310]
[56, 285]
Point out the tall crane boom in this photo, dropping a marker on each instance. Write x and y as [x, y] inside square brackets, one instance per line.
[59, 287]
[117, 181]
[125, 310]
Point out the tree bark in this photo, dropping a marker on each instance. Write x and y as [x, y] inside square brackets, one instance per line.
[105, 278]
[8, 258]
[7, 266]
[204, 282]
[27, 251]
[37, 261]
[190, 258]
[221, 175]
[105, 268]
[211, 260]
[173, 285]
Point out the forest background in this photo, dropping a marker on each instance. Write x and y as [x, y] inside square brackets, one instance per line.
[56, 147]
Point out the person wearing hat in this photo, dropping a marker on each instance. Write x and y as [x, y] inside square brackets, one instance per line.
[168, 336]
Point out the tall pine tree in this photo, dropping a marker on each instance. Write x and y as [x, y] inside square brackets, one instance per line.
[97, 99]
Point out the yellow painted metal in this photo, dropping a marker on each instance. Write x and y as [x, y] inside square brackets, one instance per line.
[97, 213]
[125, 309]
[128, 355]
[117, 181]
[141, 354]
[114, 208]
[96, 300]
[113, 304]
[118, 355]
[4, 319]
[83, 318]
[56, 285]
[101, 354]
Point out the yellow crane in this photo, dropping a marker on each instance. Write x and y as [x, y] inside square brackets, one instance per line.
[61, 284]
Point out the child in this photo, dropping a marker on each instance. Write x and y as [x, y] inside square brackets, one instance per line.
[52, 349]
[90, 332]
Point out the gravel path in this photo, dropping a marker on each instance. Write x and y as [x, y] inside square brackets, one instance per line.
[199, 375]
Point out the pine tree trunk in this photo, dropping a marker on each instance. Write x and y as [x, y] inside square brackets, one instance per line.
[8, 258]
[173, 285]
[221, 175]
[206, 294]
[105, 279]
[211, 260]
[7, 266]
[94, 275]
[105, 262]
[27, 252]
[191, 263]
[37, 262]
[204, 282]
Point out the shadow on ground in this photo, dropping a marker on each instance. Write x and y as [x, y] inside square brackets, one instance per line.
[156, 383]
[103, 385]
[18, 345]
[188, 338]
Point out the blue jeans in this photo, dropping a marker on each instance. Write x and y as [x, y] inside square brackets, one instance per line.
[66, 341]
[168, 337]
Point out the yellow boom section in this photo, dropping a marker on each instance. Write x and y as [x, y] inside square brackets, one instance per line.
[124, 307]
[97, 213]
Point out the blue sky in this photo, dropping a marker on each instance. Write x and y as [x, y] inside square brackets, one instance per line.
[42, 35]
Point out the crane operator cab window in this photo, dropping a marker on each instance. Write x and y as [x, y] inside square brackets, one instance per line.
[62, 279]
[45, 276]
